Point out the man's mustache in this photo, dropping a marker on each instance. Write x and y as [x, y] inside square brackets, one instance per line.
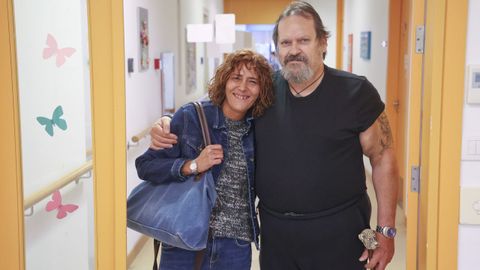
[298, 57]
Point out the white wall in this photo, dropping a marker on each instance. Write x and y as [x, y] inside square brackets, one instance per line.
[143, 96]
[469, 235]
[367, 15]
[327, 9]
[166, 29]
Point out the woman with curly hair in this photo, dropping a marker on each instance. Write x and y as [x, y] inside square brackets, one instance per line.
[240, 91]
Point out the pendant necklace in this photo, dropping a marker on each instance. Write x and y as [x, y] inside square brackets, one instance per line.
[297, 93]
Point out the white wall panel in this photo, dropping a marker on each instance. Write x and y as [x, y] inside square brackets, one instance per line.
[368, 15]
[469, 235]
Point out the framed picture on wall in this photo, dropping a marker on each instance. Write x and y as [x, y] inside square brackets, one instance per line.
[144, 39]
[365, 40]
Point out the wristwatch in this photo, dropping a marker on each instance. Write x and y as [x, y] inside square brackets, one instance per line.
[388, 232]
[193, 167]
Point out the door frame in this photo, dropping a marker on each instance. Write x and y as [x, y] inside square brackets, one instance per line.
[339, 47]
[11, 193]
[106, 42]
[441, 141]
[107, 66]
[417, 14]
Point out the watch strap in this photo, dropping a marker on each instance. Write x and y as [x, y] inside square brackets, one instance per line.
[384, 231]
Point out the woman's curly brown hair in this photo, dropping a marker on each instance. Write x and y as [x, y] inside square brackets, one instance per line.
[252, 61]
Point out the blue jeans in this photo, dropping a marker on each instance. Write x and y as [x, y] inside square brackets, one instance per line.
[220, 254]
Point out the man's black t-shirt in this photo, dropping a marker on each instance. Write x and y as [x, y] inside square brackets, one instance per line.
[308, 153]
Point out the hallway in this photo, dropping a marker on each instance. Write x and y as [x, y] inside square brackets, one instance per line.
[64, 197]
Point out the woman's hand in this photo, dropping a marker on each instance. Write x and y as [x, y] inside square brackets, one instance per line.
[210, 156]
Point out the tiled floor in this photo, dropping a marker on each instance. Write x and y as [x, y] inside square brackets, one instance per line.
[145, 259]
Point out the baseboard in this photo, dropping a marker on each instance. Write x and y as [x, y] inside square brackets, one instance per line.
[136, 249]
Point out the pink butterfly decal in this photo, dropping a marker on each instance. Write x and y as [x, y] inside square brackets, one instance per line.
[56, 203]
[53, 49]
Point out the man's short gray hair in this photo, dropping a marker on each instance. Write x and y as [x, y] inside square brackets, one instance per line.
[305, 10]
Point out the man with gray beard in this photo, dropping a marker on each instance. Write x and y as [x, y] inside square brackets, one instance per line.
[309, 146]
[310, 177]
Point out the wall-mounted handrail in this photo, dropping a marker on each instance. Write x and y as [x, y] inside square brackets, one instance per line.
[141, 135]
[31, 200]
[136, 138]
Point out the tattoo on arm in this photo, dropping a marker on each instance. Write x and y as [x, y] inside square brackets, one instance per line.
[386, 139]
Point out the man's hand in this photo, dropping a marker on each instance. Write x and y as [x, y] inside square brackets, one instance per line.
[160, 134]
[382, 255]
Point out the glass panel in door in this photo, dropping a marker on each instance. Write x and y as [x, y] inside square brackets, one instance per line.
[54, 104]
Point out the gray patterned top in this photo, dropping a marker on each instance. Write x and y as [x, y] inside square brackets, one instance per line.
[230, 217]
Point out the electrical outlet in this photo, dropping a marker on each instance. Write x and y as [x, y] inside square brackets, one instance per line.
[471, 148]
[470, 205]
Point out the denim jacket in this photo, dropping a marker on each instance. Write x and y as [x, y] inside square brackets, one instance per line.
[162, 166]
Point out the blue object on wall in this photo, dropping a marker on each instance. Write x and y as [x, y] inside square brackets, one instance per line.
[365, 41]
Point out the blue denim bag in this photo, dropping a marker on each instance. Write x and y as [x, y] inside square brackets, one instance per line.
[176, 213]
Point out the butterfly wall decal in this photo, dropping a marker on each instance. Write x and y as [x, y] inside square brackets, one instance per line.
[56, 204]
[55, 121]
[52, 49]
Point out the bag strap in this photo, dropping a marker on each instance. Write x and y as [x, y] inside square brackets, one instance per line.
[198, 259]
[203, 123]
[197, 262]
[156, 247]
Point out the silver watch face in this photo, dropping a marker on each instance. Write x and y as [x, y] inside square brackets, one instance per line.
[391, 232]
[193, 166]
[387, 231]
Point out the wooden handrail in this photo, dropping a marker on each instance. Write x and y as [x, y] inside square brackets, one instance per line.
[45, 192]
[140, 135]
